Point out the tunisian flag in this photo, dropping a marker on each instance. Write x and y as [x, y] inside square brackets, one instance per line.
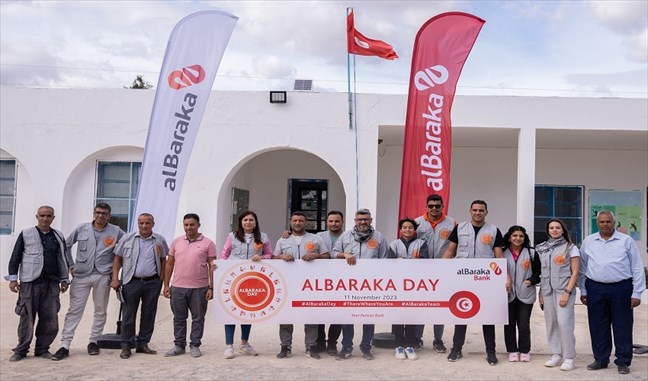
[440, 51]
[192, 57]
[360, 45]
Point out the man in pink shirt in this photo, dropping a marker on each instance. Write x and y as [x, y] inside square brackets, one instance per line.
[191, 260]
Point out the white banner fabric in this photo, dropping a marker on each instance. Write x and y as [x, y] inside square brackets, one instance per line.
[193, 54]
[374, 291]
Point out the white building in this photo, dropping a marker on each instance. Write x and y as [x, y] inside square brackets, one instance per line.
[70, 148]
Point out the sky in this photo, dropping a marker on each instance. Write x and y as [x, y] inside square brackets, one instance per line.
[526, 48]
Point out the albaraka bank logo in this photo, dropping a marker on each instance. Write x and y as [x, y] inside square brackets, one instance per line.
[481, 273]
[190, 75]
[252, 292]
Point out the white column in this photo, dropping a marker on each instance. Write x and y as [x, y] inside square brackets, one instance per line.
[526, 178]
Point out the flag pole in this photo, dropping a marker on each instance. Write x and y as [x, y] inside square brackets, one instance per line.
[349, 9]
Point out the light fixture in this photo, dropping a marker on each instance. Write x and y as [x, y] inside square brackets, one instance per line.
[278, 97]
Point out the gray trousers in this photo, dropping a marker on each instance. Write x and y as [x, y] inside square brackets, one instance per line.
[37, 298]
[80, 289]
[184, 300]
[148, 292]
[286, 333]
[560, 325]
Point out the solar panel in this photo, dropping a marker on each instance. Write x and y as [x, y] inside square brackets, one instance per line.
[303, 84]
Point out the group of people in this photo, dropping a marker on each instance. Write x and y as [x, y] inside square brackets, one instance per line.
[607, 269]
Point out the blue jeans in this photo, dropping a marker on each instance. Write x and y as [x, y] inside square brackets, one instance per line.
[367, 336]
[229, 333]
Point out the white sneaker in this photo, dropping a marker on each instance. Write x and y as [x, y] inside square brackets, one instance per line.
[400, 353]
[553, 361]
[525, 357]
[409, 351]
[229, 352]
[568, 364]
[514, 357]
[247, 349]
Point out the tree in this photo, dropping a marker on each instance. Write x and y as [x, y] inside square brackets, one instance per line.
[139, 83]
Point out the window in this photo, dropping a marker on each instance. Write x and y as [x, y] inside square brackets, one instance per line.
[564, 202]
[117, 186]
[310, 197]
[7, 195]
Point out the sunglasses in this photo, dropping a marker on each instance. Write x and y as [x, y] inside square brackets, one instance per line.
[430, 206]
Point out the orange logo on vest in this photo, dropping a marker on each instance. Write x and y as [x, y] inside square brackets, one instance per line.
[444, 233]
[372, 244]
[525, 264]
[257, 246]
[310, 246]
[486, 239]
[108, 240]
[559, 260]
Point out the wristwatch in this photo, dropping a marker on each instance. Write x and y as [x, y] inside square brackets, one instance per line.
[568, 291]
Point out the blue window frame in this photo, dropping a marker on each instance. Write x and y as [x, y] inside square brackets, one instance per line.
[117, 183]
[558, 201]
[7, 195]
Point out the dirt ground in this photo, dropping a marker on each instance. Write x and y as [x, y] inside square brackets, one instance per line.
[265, 338]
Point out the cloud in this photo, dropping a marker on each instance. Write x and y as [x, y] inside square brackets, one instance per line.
[273, 67]
[628, 19]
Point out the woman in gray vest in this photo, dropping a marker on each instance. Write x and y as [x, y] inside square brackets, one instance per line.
[247, 242]
[560, 260]
[523, 265]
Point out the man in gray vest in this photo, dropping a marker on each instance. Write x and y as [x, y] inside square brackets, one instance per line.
[334, 229]
[434, 227]
[361, 242]
[95, 241]
[40, 263]
[475, 239]
[142, 255]
[300, 244]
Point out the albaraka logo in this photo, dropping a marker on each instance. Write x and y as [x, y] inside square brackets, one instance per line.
[190, 75]
[481, 273]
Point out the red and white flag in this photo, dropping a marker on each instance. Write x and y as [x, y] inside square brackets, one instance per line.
[193, 54]
[440, 51]
[360, 45]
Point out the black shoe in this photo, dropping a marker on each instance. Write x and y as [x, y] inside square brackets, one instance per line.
[332, 350]
[491, 359]
[438, 346]
[285, 352]
[44, 355]
[367, 355]
[623, 369]
[596, 365]
[93, 349]
[125, 353]
[60, 354]
[455, 354]
[312, 352]
[419, 345]
[17, 357]
[144, 348]
[344, 354]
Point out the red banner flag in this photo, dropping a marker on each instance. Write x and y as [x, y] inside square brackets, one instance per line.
[440, 51]
[360, 45]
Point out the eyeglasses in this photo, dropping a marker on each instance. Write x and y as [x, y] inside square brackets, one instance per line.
[101, 213]
[363, 219]
[435, 206]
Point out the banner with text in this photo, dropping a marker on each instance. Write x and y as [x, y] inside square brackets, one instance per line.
[441, 48]
[385, 291]
[193, 54]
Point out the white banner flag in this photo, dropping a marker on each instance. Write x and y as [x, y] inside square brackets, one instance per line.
[374, 291]
[193, 54]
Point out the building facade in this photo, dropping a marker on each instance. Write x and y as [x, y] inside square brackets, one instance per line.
[530, 158]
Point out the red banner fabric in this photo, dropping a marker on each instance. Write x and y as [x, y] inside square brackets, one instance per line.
[358, 44]
[440, 51]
